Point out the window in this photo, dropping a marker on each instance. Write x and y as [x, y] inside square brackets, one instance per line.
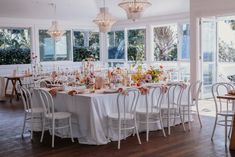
[226, 35]
[51, 50]
[185, 54]
[116, 45]
[14, 46]
[136, 45]
[86, 44]
[165, 43]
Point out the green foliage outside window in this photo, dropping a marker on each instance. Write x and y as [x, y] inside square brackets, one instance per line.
[86, 44]
[14, 46]
[136, 45]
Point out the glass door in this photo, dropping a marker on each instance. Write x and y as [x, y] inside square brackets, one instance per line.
[208, 54]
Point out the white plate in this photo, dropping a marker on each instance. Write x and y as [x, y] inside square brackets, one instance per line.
[110, 91]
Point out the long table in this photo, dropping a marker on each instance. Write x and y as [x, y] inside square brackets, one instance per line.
[89, 115]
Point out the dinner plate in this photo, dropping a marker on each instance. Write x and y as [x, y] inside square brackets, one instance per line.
[110, 91]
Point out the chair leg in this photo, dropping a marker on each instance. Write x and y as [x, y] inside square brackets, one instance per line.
[189, 118]
[226, 133]
[181, 119]
[32, 117]
[230, 131]
[137, 132]
[198, 115]
[53, 133]
[168, 122]
[22, 133]
[213, 132]
[70, 128]
[163, 131]
[43, 128]
[119, 135]
[147, 131]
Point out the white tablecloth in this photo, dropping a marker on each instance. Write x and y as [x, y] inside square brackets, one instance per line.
[89, 115]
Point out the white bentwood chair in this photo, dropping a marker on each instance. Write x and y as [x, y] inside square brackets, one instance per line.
[30, 113]
[151, 112]
[223, 108]
[192, 101]
[172, 105]
[126, 113]
[52, 116]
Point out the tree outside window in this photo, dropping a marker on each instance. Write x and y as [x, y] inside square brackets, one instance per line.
[86, 44]
[226, 35]
[14, 46]
[136, 45]
[165, 43]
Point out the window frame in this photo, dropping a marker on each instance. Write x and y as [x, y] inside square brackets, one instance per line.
[31, 31]
[70, 47]
[85, 30]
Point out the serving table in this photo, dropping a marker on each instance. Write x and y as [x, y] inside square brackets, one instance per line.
[14, 80]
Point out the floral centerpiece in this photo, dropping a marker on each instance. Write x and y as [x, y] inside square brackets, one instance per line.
[138, 76]
[154, 74]
[117, 76]
[88, 80]
[150, 75]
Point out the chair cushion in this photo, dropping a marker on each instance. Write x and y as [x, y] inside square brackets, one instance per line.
[143, 111]
[115, 116]
[35, 110]
[59, 115]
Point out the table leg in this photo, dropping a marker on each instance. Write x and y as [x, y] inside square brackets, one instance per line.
[6, 87]
[13, 89]
[16, 89]
[232, 140]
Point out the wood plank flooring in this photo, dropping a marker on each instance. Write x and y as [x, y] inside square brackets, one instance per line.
[195, 143]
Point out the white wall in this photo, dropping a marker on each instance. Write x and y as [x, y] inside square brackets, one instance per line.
[198, 9]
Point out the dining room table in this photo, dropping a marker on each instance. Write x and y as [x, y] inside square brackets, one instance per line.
[89, 114]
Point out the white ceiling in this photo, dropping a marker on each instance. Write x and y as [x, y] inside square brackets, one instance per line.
[86, 10]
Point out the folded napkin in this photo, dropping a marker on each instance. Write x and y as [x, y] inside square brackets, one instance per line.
[53, 91]
[144, 90]
[72, 92]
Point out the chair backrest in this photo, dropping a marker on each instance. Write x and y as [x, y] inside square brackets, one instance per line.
[47, 102]
[26, 97]
[194, 91]
[126, 102]
[154, 98]
[220, 89]
[174, 94]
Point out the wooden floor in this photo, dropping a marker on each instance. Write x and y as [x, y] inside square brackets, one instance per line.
[196, 143]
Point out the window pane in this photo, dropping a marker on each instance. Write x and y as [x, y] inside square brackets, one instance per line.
[226, 35]
[116, 45]
[185, 54]
[51, 50]
[165, 43]
[86, 44]
[14, 46]
[136, 45]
